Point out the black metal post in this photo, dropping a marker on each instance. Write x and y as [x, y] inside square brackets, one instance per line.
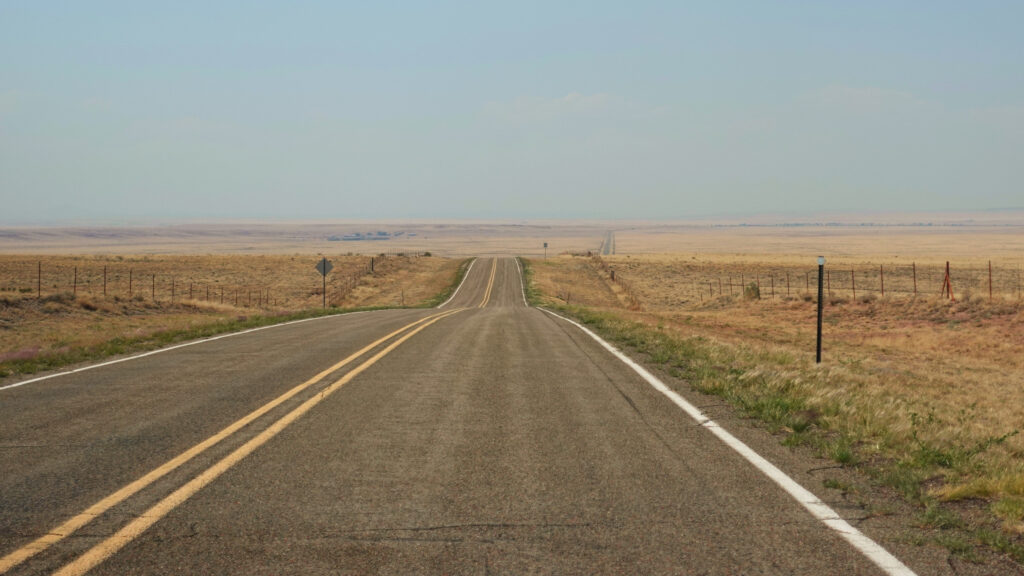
[821, 302]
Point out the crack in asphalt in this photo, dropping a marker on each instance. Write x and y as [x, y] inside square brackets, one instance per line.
[837, 467]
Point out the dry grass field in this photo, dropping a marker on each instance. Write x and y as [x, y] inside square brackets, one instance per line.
[939, 237]
[999, 242]
[148, 294]
[450, 239]
[921, 391]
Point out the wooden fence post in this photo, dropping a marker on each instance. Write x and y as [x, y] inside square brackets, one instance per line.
[989, 279]
[914, 266]
[104, 281]
[74, 286]
[881, 278]
[853, 283]
[947, 284]
[39, 280]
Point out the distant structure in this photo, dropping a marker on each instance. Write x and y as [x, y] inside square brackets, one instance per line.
[357, 236]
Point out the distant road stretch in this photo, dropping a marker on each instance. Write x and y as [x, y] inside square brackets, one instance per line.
[608, 246]
[480, 437]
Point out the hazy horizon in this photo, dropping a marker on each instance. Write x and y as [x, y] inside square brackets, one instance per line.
[120, 112]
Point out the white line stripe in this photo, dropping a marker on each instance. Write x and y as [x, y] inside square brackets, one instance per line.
[452, 297]
[874, 552]
[211, 339]
[175, 347]
[522, 282]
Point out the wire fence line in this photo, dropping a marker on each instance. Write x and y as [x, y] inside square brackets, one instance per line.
[858, 281]
[159, 281]
[632, 302]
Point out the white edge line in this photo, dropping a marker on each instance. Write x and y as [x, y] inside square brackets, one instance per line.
[210, 339]
[522, 282]
[871, 549]
[175, 347]
[452, 297]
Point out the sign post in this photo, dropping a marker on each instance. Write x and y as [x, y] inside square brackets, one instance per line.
[323, 267]
[821, 295]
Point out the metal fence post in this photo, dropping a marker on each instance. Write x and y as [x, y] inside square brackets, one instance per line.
[821, 298]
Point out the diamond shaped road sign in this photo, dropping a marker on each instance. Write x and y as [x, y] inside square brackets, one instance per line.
[324, 266]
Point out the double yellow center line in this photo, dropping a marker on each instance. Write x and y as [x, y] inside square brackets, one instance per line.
[490, 284]
[111, 545]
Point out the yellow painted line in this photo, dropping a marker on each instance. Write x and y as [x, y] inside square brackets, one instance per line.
[108, 547]
[490, 284]
[67, 528]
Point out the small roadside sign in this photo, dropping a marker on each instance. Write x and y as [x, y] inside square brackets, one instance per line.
[324, 266]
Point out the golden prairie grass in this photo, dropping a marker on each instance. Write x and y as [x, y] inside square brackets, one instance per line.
[963, 241]
[206, 289]
[904, 380]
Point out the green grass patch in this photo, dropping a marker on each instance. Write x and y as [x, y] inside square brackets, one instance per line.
[533, 296]
[935, 515]
[1010, 509]
[958, 546]
[1000, 542]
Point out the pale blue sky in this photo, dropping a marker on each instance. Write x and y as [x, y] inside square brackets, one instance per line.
[129, 110]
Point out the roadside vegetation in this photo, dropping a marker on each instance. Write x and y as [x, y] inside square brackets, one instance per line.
[921, 395]
[62, 329]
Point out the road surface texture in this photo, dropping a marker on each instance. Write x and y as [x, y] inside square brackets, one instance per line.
[485, 438]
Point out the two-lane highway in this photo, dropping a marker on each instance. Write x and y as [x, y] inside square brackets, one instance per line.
[481, 437]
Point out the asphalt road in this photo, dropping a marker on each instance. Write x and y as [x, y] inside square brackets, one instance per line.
[608, 246]
[495, 439]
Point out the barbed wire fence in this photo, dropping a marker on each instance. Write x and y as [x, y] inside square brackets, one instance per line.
[151, 281]
[861, 281]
